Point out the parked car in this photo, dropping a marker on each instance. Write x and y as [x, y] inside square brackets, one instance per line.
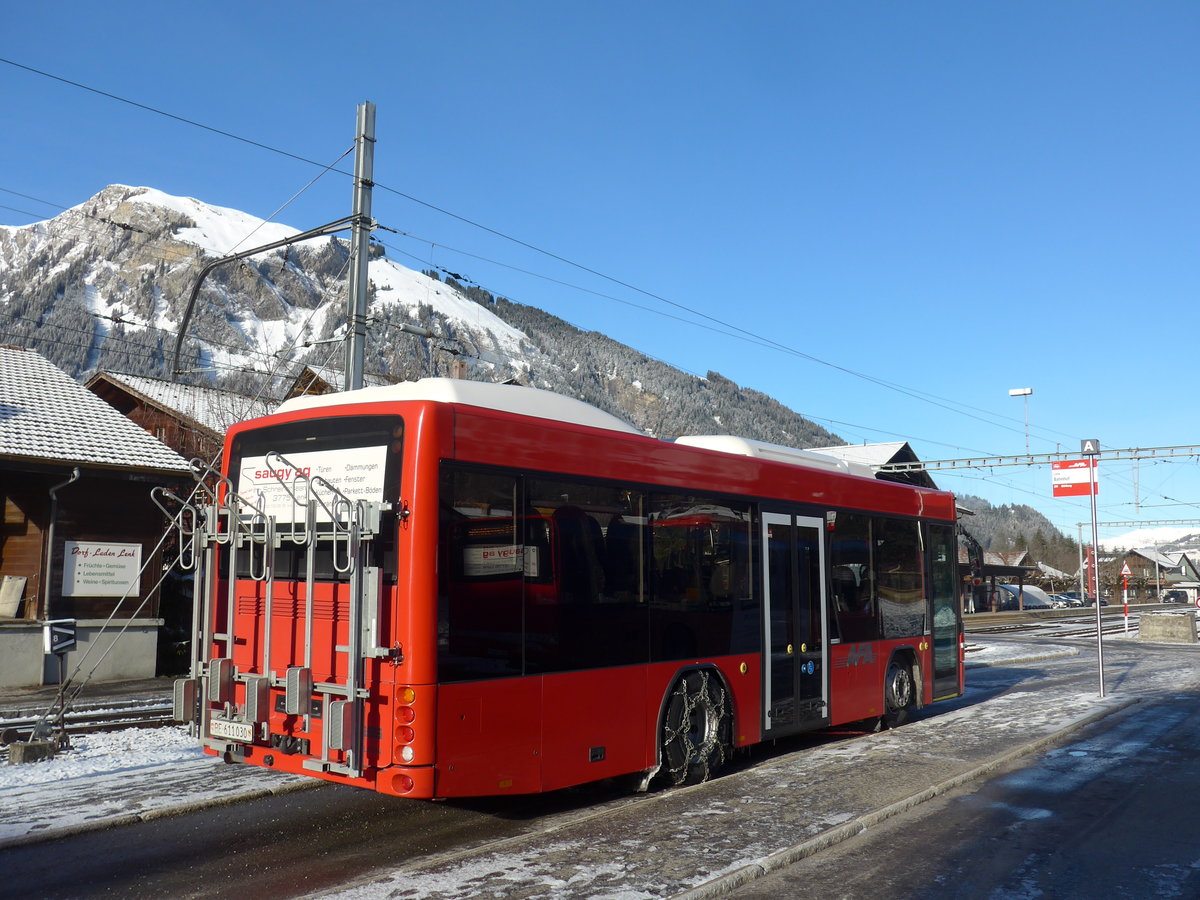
[1175, 597]
[1035, 597]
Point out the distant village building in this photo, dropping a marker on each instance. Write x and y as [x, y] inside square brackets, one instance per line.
[1150, 573]
[315, 380]
[80, 536]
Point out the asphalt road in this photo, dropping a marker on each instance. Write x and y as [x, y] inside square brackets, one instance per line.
[289, 845]
[1110, 814]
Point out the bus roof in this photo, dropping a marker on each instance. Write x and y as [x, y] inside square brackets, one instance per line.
[739, 446]
[511, 398]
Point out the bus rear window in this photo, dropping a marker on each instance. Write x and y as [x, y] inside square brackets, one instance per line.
[274, 469]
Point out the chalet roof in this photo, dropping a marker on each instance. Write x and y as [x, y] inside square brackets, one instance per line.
[1051, 572]
[207, 408]
[881, 454]
[327, 380]
[47, 416]
[1006, 564]
[1155, 556]
[1007, 558]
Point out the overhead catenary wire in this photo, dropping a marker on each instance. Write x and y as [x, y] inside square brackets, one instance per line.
[914, 393]
[953, 406]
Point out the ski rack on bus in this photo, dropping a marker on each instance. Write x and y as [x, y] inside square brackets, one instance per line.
[242, 525]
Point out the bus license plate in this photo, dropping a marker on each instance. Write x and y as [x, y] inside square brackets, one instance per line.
[234, 731]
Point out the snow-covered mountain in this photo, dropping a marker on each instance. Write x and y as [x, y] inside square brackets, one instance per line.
[1168, 539]
[103, 286]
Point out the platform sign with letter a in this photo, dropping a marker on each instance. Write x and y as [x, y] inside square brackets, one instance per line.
[1074, 478]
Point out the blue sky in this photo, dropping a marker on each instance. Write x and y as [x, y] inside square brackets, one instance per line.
[926, 204]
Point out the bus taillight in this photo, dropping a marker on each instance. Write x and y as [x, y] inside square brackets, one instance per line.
[405, 715]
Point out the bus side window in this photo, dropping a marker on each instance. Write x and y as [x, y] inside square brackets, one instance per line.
[899, 570]
[588, 613]
[580, 555]
[700, 601]
[851, 571]
[480, 568]
[623, 560]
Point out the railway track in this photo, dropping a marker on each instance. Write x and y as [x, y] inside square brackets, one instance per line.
[1051, 629]
[148, 713]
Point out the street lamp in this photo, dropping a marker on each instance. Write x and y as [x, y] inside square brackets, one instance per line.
[1024, 392]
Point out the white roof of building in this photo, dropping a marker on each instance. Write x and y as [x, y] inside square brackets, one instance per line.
[506, 397]
[214, 409]
[1051, 572]
[47, 416]
[1155, 556]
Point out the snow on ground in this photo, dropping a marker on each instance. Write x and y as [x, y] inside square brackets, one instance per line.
[129, 750]
[127, 776]
[979, 654]
[146, 772]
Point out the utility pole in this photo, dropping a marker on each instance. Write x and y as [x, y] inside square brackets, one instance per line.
[1024, 392]
[356, 313]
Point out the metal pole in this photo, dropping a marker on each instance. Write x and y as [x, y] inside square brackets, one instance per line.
[1096, 575]
[1024, 392]
[1157, 578]
[1082, 576]
[1026, 423]
[364, 173]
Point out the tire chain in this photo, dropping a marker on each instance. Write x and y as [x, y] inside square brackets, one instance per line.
[712, 734]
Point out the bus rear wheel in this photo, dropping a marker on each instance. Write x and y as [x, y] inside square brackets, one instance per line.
[697, 731]
[898, 694]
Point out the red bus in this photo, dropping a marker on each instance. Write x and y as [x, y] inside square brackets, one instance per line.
[449, 588]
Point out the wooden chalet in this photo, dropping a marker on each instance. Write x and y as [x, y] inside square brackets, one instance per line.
[80, 535]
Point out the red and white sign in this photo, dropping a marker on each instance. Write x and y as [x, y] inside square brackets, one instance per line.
[1126, 571]
[1074, 478]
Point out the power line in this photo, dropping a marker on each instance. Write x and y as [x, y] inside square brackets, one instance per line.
[162, 112]
[913, 393]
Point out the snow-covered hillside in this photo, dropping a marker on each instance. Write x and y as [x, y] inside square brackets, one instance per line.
[112, 276]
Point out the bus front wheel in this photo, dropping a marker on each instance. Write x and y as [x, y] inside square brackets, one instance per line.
[697, 731]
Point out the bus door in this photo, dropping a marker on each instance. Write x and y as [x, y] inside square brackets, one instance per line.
[945, 614]
[795, 645]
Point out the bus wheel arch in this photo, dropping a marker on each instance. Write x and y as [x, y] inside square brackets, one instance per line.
[696, 727]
